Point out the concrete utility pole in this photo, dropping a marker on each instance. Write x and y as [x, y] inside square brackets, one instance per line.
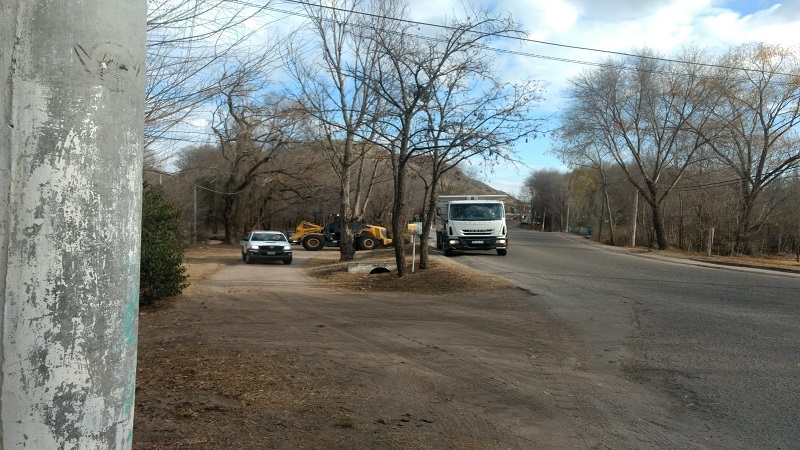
[72, 78]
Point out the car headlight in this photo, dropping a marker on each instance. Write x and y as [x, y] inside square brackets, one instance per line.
[287, 247]
[253, 247]
[501, 241]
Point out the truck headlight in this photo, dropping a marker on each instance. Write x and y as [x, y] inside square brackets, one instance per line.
[253, 247]
[501, 242]
[287, 247]
[453, 241]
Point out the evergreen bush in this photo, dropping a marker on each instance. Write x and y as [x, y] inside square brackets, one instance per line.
[162, 273]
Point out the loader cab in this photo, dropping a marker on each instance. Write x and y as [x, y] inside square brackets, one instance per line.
[334, 230]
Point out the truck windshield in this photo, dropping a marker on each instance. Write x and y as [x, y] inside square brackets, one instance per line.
[268, 237]
[476, 211]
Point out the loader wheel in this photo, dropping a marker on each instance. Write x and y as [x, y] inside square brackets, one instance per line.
[313, 242]
[367, 242]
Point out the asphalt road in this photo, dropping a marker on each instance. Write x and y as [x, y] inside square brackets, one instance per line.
[710, 355]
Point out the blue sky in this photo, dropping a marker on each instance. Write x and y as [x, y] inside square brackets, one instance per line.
[617, 25]
[604, 25]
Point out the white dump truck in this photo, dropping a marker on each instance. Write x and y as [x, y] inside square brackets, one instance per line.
[471, 222]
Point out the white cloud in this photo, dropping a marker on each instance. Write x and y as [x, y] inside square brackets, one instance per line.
[613, 25]
[623, 26]
[542, 18]
[433, 11]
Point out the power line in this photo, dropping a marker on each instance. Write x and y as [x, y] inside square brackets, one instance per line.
[612, 65]
[521, 39]
[179, 178]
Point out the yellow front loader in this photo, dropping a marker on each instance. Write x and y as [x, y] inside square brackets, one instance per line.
[314, 237]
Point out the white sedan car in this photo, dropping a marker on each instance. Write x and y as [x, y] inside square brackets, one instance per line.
[263, 245]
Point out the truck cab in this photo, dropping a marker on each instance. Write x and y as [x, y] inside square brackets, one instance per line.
[472, 222]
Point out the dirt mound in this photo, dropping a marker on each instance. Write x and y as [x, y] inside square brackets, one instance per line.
[441, 277]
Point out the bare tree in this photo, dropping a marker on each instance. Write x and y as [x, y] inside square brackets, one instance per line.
[467, 121]
[641, 108]
[754, 129]
[579, 146]
[411, 70]
[251, 127]
[333, 90]
[548, 191]
[187, 40]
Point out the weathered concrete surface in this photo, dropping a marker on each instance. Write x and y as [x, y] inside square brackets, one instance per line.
[369, 267]
[71, 131]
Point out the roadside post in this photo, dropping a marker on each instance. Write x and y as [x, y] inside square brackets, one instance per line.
[414, 228]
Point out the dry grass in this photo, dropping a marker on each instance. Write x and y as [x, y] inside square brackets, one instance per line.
[193, 390]
[785, 263]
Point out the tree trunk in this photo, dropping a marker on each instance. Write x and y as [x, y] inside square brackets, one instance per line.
[658, 227]
[227, 218]
[427, 223]
[398, 227]
[610, 216]
[347, 250]
[399, 241]
[602, 218]
[743, 228]
[423, 247]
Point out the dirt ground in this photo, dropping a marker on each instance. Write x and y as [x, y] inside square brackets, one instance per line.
[310, 356]
[269, 359]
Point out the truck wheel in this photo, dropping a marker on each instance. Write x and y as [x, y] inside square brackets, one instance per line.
[313, 242]
[243, 256]
[448, 252]
[439, 241]
[287, 261]
[502, 251]
[248, 259]
[367, 242]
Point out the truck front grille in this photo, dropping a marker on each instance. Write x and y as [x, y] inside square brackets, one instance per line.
[477, 232]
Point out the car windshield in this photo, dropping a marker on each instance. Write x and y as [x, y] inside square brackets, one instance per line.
[476, 211]
[268, 237]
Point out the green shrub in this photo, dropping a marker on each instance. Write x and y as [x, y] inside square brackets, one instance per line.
[162, 273]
